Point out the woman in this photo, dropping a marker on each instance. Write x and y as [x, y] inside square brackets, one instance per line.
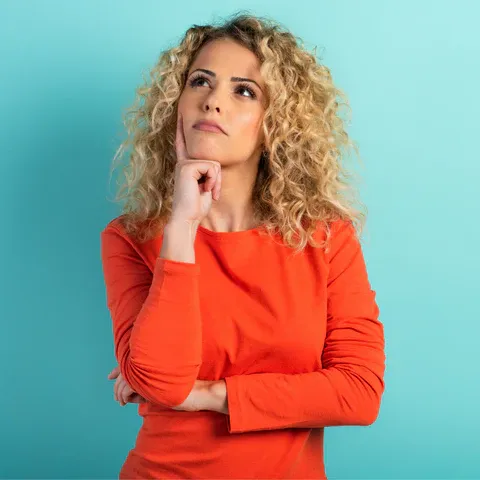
[243, 318]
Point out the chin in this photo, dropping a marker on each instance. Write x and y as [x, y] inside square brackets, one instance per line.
[211, 150]
[206, 152]
[201, 154]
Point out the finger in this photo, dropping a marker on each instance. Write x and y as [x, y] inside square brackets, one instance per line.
[114, 373]
[211, 174]
[127, 391]
[116, 387]
[215, 189]
[180, 144]
[119, 393]
[136, 398]
[218, 184]
[124, 392]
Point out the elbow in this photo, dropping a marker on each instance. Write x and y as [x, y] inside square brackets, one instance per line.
[168, 389]
[358, 411]
[172, 397]
[167, 397]
[363, 399]
[368, 413]
[370, 404]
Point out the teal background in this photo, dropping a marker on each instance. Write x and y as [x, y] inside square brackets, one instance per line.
[411, 70]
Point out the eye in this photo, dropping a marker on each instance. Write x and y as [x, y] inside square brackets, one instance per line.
[196, 81]
[240, 88]
[246, 87]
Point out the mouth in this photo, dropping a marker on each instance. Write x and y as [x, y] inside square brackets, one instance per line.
[206, 126]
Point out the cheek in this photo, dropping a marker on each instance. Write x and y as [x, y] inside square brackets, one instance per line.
[249, 123]
[181, 104]
[184, 102]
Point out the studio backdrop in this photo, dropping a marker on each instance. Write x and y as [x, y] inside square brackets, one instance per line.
[411, 71]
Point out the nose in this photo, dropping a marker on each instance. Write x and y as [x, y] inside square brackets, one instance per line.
[211, 103]
[207, 108]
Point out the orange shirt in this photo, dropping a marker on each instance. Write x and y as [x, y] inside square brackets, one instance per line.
[296, 338]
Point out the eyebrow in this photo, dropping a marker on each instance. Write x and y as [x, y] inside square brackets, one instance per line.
[233, 79]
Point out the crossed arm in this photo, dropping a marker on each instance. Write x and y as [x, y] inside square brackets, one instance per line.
[160, 358]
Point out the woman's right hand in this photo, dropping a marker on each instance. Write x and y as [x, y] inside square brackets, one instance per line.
[197, 182]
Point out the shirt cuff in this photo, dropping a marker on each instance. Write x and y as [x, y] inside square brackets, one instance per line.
[234, 417]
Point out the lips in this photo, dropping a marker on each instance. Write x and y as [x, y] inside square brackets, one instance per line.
[208, 126]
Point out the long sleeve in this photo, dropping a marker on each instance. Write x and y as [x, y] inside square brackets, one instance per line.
[156, 320]
[347, 390]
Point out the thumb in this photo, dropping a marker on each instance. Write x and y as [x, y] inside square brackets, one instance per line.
[114, 373]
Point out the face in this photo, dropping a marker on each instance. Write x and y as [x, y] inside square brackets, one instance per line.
[224, 86]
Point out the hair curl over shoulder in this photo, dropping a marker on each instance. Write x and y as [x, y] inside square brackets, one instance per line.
[301, 183]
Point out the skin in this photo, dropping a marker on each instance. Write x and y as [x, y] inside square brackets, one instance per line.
[238, 107]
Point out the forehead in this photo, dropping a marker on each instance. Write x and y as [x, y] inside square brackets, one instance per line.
[229, 58]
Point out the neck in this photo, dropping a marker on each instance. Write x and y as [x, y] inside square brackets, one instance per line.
[233, 211]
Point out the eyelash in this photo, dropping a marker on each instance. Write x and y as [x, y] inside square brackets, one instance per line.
[241, 86]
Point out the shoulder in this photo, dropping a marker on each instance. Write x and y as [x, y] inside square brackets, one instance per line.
[115, 224]
[334, 231]
[114, 236]
[342, 227]
[337, 238]
[116, 239]
[116, 227]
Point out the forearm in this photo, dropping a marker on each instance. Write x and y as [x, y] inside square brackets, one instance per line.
[156, 314]
[178, 245]
[165, 341]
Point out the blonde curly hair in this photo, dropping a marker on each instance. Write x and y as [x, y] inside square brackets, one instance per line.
[301, 182]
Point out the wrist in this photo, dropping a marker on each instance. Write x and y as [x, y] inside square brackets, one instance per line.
[178, 241]
[182, 225]
[218, 397]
